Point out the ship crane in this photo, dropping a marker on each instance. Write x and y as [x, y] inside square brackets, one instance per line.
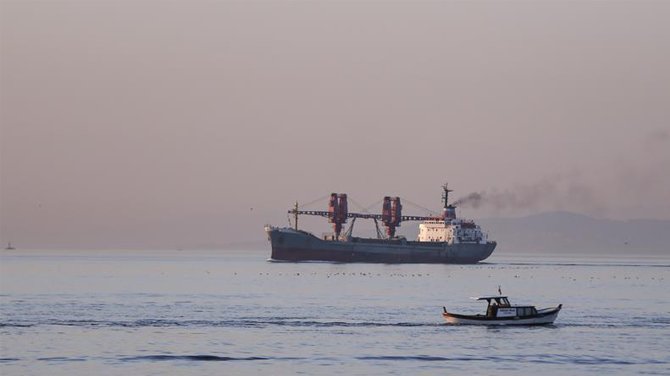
[391, 215]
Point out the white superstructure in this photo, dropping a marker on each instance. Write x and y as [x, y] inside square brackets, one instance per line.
[451, 231]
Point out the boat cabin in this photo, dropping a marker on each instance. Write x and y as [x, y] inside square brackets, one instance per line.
[499, 306]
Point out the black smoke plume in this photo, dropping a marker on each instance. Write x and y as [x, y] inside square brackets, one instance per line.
[559, 192]
[473, 200]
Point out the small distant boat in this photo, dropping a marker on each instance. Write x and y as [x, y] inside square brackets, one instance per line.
[9, 246]
[500, 311]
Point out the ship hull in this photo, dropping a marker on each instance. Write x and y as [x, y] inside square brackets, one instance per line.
[543, 317]
[291, 245]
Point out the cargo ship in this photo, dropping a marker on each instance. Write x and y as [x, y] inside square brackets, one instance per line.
[443, 239]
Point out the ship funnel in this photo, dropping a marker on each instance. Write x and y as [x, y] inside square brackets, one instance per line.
[450, 212]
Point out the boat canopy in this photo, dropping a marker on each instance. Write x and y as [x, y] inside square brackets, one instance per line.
[499, 300]
[488, 297]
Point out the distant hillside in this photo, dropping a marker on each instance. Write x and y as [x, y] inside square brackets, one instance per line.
[577, 233]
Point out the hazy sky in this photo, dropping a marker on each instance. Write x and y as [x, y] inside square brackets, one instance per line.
[185, 123]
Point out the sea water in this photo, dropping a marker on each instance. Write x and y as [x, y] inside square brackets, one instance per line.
[234, 312]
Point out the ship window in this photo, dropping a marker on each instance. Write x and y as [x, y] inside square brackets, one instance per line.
[525, 311]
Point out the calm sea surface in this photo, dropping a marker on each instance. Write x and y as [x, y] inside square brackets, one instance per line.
[196, 312]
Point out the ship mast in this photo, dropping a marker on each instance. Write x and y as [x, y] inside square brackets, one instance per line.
[295, 212]
[445, 198]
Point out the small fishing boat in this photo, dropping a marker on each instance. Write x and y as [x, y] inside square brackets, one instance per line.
[500, 311]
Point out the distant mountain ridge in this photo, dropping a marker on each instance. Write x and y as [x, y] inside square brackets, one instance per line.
[577, 233]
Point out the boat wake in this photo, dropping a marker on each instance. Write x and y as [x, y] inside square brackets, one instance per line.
[236, 323]
[196, 358]
[512, 358]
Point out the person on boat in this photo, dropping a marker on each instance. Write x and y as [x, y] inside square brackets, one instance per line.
[492, 310]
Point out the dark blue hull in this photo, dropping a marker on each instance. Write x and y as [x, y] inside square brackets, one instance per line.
[291, 245]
